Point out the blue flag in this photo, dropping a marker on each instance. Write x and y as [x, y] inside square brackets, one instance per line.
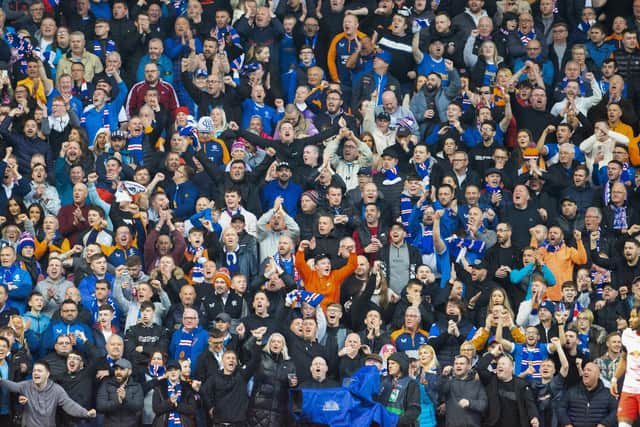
[347, 406]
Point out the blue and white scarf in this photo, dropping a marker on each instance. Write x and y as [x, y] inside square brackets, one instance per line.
[174, 416]
[619, 218]
[109, 47]
[197, 272]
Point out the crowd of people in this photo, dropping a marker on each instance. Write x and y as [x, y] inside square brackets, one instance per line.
[213, 210]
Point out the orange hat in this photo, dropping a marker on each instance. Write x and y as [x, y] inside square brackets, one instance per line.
[531, 153]
[223, 274]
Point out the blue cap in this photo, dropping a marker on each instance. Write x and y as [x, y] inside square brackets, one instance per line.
[202, 73]
[384, 55]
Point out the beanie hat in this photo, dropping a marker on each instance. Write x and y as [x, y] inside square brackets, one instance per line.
[531, 153]
[548, 305]
[26, 239]
[223, 274]
[181, 110]
[237, 146]
[205, 124]
[313, 195]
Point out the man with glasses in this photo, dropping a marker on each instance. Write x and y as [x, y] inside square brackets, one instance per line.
[210, 360]
[190, 340]
[57, 359]
[166, 94]
[535, 56]
[67, 325]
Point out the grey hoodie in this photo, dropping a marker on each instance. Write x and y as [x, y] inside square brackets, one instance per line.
[40, 411]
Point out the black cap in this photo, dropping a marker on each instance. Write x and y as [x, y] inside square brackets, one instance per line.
[489, 171]
[383, 115]
[366, 171]
[403, 131]
[479, 264]
[568, 199]
[413, 177]
[283, 165]
[320, 256]
[237, 217]
[389, 151]
[173, 364]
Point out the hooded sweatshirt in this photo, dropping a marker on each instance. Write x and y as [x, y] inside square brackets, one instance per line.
[42, 406]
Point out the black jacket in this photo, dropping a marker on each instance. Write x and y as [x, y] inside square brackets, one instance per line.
[527, 409]
[118, 414]
[151, 338]
[583, 408]
[187, 406]
[227, 396]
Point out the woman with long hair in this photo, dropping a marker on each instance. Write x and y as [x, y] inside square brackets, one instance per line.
[275, 373]
[427, 377]
[36, 215]
[156, 372]
[485, 64]
[261, 54]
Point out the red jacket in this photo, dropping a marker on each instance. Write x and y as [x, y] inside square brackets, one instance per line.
[166, 94]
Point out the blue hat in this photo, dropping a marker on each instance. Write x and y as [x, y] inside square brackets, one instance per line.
[26, 239]
[202, 73]
[250, 68]
[549, 305]
[384, 55]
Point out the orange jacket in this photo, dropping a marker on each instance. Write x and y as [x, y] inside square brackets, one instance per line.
[561, 263]
[328, 286]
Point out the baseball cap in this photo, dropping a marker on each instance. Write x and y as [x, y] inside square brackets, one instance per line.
[117, 134]
[123, 363]
[223, 317]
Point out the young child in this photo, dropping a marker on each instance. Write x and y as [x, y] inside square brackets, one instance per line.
[195, 256]
[35, 321]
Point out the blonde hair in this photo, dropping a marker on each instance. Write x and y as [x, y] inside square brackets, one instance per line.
[284, 352]
[434, 359]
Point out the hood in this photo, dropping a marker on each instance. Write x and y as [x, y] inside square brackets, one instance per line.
[401, 359]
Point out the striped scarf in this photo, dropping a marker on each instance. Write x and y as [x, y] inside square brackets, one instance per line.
[134, 147]
[174, 416]
[288, 266]
[391, 177]
[553, 248]
[185, 342]
[426, 243]
[197, 272]
[109, 47]
[526, 38]
[156, 371]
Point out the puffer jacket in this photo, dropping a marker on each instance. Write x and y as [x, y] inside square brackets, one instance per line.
[628, 63]
[582, 408]
[269, 397]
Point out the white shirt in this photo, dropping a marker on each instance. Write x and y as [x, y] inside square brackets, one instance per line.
[631, 341]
